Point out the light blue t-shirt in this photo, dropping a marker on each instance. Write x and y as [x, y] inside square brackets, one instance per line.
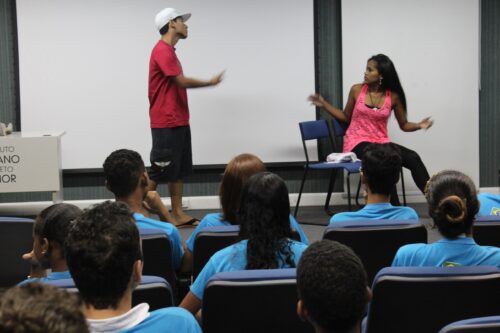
[171, 319]
[462, 251]
[490, 204]
[215, 220]
[234, 258]
[169, 229]
[50, 277]
[380, 211]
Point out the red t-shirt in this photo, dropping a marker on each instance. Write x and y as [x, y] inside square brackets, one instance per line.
[168, 104]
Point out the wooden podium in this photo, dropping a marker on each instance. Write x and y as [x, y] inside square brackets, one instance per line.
[31, 162]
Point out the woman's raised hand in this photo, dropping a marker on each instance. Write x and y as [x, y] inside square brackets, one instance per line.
[317, 100]
[426, 123]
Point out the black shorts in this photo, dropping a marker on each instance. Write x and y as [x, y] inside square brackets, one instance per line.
[171, 155]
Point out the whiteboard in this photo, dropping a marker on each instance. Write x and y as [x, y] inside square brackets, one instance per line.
[435, 48]
[84, 69]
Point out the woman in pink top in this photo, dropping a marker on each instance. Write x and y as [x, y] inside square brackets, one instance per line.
[367, 111]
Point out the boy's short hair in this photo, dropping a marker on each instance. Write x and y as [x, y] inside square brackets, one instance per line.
[35, 307]
[332, 285]
[101, 249]
[122, 170]
[381, 165]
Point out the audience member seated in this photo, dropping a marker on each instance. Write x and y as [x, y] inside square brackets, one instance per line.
[49, 233]
[40, 308]
[453, 204]
[127, 178]
[104, 257]
[380, 173]
[265, 231]
[333, 290]
[237, 172]
[489, 204]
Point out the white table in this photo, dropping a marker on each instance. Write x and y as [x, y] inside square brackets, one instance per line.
[31, 162]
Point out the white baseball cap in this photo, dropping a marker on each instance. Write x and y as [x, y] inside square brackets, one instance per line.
[167, 15]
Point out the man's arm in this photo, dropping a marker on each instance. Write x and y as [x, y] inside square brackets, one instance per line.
[188, 82]
[153, 202]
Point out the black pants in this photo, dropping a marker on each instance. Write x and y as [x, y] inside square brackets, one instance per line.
[410, 160]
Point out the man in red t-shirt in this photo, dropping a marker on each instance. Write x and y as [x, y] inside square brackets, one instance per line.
[171, 159]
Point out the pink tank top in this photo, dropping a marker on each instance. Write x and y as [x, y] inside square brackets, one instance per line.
[368, 124]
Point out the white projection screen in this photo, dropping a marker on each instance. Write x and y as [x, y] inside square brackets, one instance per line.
[84, 69]
[435, 48]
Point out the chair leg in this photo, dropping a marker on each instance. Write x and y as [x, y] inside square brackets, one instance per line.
[403, 187]
[300, 192]
[357, 193]
[333, 175]
[349, 191]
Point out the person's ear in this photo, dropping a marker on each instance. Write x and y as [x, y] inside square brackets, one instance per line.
[44, 245]
[144, 179]
[137, 271]
[107, 185]
[302, 311]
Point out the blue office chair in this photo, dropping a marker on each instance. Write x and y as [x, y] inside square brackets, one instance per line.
[475, 325]
[154, 290]
[376, 241]
[212, 239]
[317, 130]
[158, 260]
[252, 301]
[425, 299]
[16, 238]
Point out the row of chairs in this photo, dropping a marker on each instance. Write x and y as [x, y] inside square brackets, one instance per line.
[375, 242]
[409, 299]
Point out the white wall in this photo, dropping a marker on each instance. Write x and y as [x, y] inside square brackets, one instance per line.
[435, 48]
[84, 66]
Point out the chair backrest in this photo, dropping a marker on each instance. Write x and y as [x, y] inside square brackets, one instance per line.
[154, 290]
[212, 239]
[15, 240]
[339, 128]
[486, 230]
[376, 241]
[314, 130]
[157, 253]
[425, 299]
[252, 301]
[489, 324]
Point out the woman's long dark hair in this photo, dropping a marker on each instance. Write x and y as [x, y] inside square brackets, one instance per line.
[390, 78]
[264, 221]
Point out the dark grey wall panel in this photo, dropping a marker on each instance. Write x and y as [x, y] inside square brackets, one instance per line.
[489, 97]
[329, 65]
[8, 67]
